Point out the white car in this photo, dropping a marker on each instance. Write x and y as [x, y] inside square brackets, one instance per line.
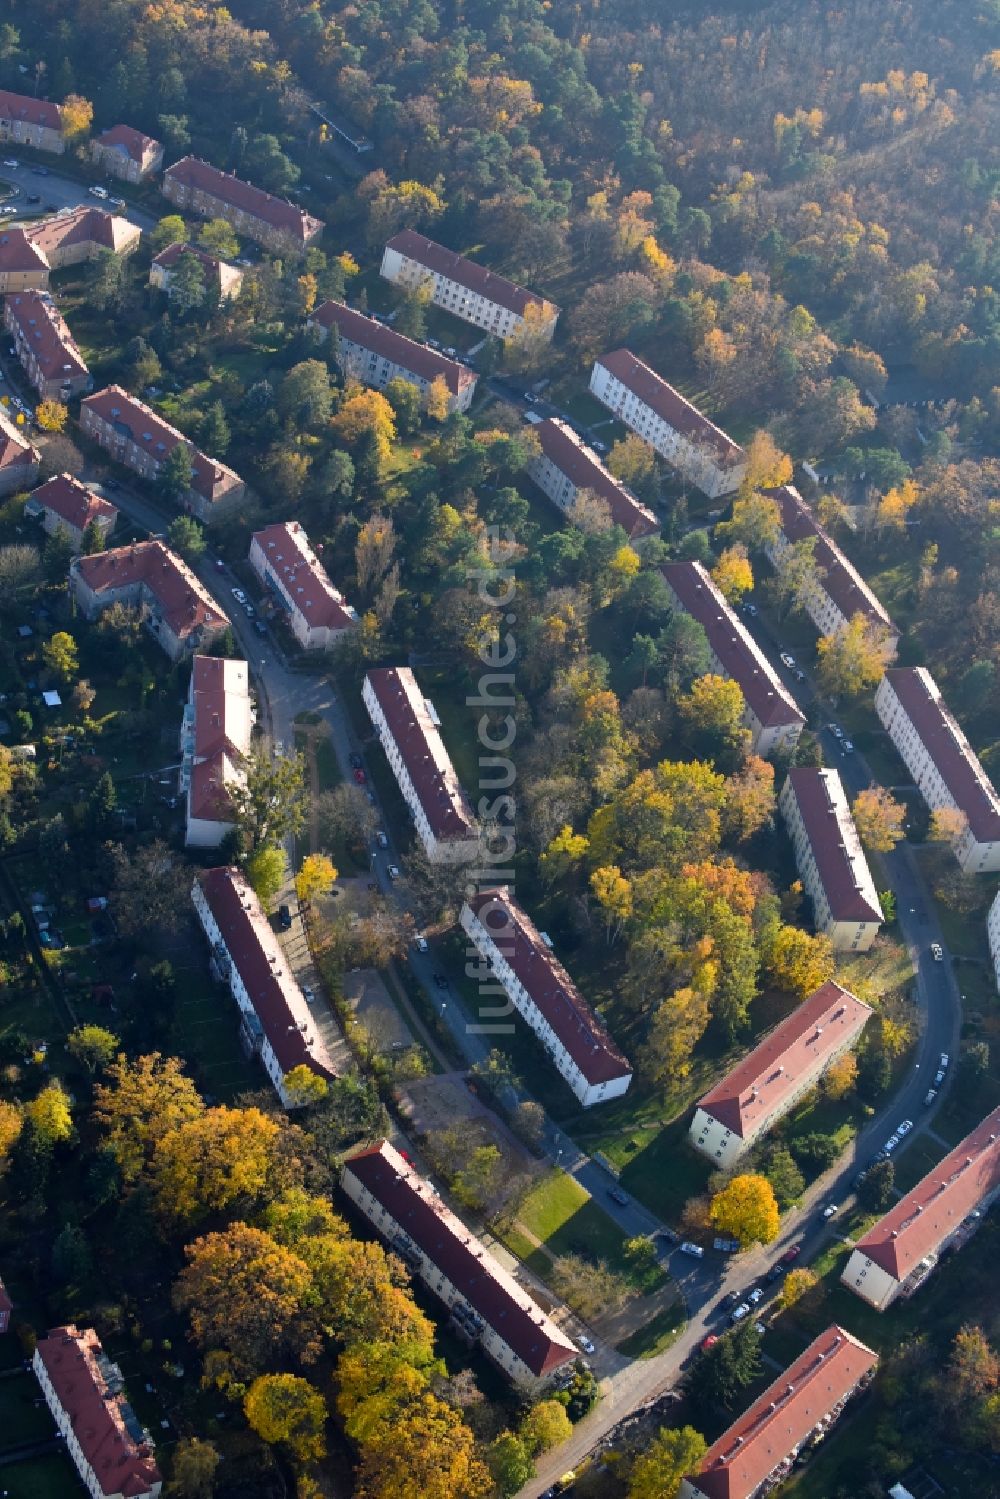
[787, 660]
[584, 1342]
[836, 730]
[945, 1059]
[420, 943]
[309, 993]
[393, 872]
[939, 1077]
[239, 595]
[890, 1144]
[695, 1250]
[937, 952]
[847, 747]
[738, 1313]
[931, 1095]
[98, 192]
[904, 1128]
[831, 1210]
[10, 162]
[756, 1295]
[381, 839]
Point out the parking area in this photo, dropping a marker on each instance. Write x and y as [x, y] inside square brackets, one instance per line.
[374, 1010]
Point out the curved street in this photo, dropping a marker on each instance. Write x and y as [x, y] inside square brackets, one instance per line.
[630, 1384]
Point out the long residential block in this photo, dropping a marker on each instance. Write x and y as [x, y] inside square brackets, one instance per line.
[772, 715]
[25, 121]
[43, 343]
[487, 1305]
[993, 933]
[830, 859]
[177, 609]
[758, 1450]
[273, 222]
[838, 591]
[317, 615]
[522, 962]
[126, 152]
[276, 1023]
[696, 447]
[215, 740]
[896, 1256]
[65, 504]
[369, 351]
[465, 288]
[780, 1071]
[135, 436]
[566, 468]
[942, 762]
[410, 733]
[85, 1391]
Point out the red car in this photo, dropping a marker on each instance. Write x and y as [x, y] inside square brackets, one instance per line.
[360, 777]
[790, 1254]
[709, 1342]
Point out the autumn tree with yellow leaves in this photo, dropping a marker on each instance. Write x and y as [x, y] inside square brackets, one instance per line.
[746, 1209]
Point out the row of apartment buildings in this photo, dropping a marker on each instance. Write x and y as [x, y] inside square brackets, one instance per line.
[772, 715]
[277, 1025]
[465, 288]
[286, 564]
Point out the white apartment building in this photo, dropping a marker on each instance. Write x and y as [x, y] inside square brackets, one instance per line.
[464, 288]
[276, 1023]
[521, 961]
[896, 1256]
[215, 739]
[696, 447]
[410, 733]
[284, 561]
[757, 1452]
[838, 592]
[781, 1070]
[369, 351]
[85, 1391]
[566, 467]
[772, 715]
[993, 933]
[942, 762]
[830, 859]
[488, 1308]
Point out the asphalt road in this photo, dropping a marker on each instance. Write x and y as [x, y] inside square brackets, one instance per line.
[55, 191]
[628, 1385]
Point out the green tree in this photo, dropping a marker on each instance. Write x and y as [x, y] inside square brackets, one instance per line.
[92, 540]
[404, 398]
[287, 1409]
[176, 475]
[785, 1177]
[659, 1471]
[218, 238]
[187, 287]
[266, 870]
[170, 230]
[545, 1426]
[719, 1377]
[876, 1191]
[214, 431]
[102, 802]
[271, 806]
[186, 536]
[144, 1098]
[72, 1261]
[108, 281]
[92, 1046]
[193, 1469]
[61, 656]
[304, 396]
[509, 1463]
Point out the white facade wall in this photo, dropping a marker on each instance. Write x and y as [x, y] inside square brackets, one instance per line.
[309, 636]
[470, 306]
[588, 1093]
[438, 850]
[817, 603]
[846, 936]
[993, 933]
[239, 991]
[870, 1281]
[435, 1280]
[973, 857]
[375, 370]
[697, 464]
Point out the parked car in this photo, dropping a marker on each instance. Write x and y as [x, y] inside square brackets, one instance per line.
[98, 192]
[239, 595]
[441, 979]
[39, 171]
[730, 1299]
[776, 1271]
[847, 747]
[284, 918]
[937, 952]
[756, 1295]
[904, 1128]
[584, 1342]
[309, 993]
[831, 1210]
[709, 1342]
[393, 871]
[695, 1250]
[249, 609]
[10, 162]
[617, 1195]
[787, 660]
[33, 198]
[799, 674]
[738, 1313]
[381, 839]
[945, 1059]
[750, 610]
[360, 776]
[790, 1255]
[356, 762]
[726, 1246]
[260, 626]
[420, 943]
[939, 1077]
[932, 1093]
[890, 1144]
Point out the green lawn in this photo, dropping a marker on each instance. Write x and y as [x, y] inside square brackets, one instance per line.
[327, 769]
[52, 1477]
[657, 1335]
[914, 1163]
[21, 1418]
[206, 1034]
[567, 1220]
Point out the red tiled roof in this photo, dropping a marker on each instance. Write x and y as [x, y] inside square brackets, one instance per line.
[667, 402]
[477, 278]
[73, 1362]
[278, 1002]
[73, 502]
[835, 844]
[184, 602]
[472, 1270]
[773, 1071]
[34, 111]
[739, 654]
[585, 470]
[423, 753]
[838, 576]
[546, 981]
[211, 777]
[292, 559]
[929, 1213]
[781, 1419]
[83, 225]
[15, 449]
[129, 140]
[157, 437]
[18, 252]
[46, 334]
[6, 1305]
[169, 257]
[277, 212]
[220, 696]
[956, 760]
[388, 344]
